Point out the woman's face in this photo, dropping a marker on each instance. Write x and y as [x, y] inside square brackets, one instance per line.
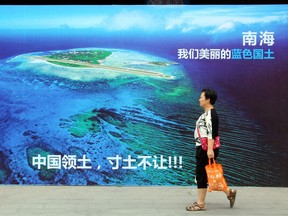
[203, 101]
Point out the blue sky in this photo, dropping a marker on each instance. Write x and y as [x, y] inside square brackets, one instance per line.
[182, 18]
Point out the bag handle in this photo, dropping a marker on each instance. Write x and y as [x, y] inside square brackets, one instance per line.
[209, 161]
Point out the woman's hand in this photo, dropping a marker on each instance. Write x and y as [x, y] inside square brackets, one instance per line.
[210, 153]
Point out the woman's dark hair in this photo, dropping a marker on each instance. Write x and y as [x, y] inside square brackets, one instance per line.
[210, 94]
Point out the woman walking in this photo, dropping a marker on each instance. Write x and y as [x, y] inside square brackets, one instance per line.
[207, 125]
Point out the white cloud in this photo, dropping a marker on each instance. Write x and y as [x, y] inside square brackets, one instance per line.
[221, 19]
[130, 19]
[182, 19]
[225, 26]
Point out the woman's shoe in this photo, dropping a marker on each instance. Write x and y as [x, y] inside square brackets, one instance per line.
[196, 207]
[232, 197]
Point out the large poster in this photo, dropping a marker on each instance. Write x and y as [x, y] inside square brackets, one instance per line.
[108, 95]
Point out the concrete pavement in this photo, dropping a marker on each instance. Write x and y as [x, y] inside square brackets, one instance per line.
[18, 200]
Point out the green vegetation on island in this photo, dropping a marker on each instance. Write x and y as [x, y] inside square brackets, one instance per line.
[78, 58]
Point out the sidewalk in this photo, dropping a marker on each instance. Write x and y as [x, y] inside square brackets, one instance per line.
[135, 201]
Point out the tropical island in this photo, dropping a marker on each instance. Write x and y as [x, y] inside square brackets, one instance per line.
[77, 58]
[94, 59]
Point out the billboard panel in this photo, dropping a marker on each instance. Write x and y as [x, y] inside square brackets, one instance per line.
[108, 95]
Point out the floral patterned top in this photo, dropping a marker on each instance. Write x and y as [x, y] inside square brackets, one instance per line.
[208, 124]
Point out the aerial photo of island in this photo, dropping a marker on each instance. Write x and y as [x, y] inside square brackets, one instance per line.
[109, 95]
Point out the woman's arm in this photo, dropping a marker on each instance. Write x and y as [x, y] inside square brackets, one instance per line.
[210, 152]
[212, 123]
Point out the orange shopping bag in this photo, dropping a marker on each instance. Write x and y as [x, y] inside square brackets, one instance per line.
[216, 180]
